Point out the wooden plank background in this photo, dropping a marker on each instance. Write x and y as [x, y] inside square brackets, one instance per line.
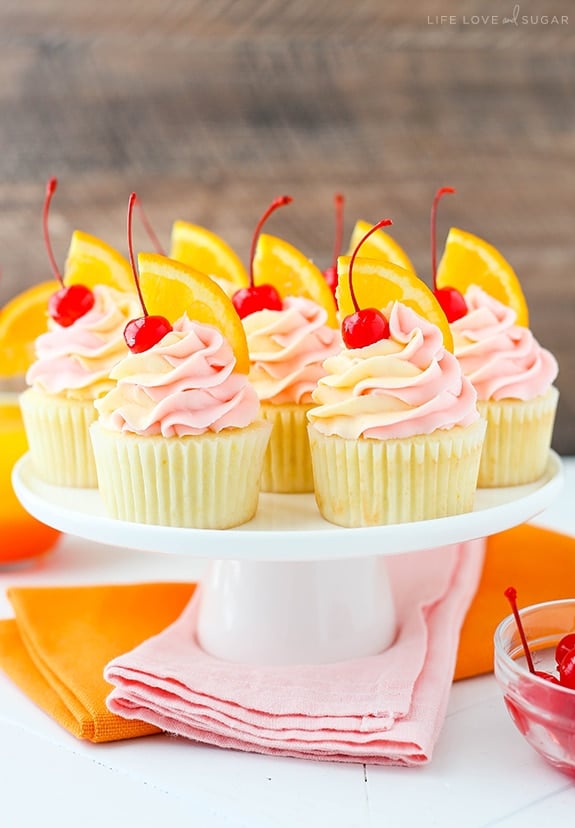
[210, 109]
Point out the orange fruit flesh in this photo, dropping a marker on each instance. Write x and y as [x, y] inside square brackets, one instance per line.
[377, 283]
[22, 320]
[91, 262]
[469, 260]
[171, 289]
[278, 263]
[380, 245]
[205, 251]
[22, 535]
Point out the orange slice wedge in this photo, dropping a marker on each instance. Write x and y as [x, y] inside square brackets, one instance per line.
[208, 253]
[23, 319]
[278, 263]
[378, 283]
[468, 260]
[380, 245]
[171, 289]
[92, 262]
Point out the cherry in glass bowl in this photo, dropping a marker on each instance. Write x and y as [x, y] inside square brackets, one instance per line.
[542, 710]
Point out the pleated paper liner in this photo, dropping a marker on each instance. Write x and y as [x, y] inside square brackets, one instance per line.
[58, 434]
[369, 482]
[205, 481]
[517, 441]
[287, 464]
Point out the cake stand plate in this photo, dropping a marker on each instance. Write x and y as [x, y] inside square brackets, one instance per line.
[289, 587]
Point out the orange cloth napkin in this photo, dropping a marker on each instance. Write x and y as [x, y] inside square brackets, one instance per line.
[61, 639]
[56, 648]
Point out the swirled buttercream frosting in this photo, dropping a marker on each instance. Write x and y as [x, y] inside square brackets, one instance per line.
[399, 387]
[287, 349]
[183, 385]
[75, 362]
[501, 359]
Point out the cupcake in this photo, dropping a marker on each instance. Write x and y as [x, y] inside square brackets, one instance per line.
[287, 349]
[179, 439]
[290, 319]
[70, 372]
[513, 376]
[395, 433]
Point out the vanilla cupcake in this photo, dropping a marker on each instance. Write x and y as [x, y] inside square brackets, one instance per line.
[71, 371]
[513, 376]
[395, 433]
[179, 440]
[287, 349]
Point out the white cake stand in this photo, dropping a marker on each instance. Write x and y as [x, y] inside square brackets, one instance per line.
[289, 587]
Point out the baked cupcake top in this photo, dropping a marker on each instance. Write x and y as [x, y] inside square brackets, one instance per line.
[183, 385]
[75, 361]
[287, 349]
[402, 386]
[502, 360]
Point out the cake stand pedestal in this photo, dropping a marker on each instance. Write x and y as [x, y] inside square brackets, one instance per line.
[289, 587]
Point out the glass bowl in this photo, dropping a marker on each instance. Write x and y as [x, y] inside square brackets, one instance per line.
[543, 712]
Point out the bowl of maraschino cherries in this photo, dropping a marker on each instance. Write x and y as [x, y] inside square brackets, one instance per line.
[535, 668]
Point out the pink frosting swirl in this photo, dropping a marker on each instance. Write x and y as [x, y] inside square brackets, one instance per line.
[287, 349]
[75, 362]
[186, 384]
[398, 387]
[502, 360]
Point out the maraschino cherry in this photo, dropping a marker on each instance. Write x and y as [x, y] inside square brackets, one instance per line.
[450, 299]
[366, 325]
[259, 297]
[566, 658]
[330, 272]
[68, 304]
[142, 333]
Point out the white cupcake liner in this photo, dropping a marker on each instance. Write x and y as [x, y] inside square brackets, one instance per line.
[287, 464]
[208, 481]
[517, 441]
[370, 482]
[58, 434]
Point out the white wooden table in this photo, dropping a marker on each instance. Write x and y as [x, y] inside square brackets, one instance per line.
[482, 772]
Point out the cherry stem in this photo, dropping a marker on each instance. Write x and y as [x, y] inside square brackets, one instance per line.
[511, 595]
[280, 201]
[438, 196]
[383, 223]
[338, 202]
[149, 229]
[50, 190]
[132, 201]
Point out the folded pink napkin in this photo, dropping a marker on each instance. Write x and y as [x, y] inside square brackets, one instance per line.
[385, 709]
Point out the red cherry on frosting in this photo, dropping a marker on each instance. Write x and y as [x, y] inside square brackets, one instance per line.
[146, 331]
[68, 304]
[330, 273]
[366, 325]
[450, 299]
[259, 297]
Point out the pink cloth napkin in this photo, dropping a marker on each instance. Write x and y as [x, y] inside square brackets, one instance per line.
[385, 709]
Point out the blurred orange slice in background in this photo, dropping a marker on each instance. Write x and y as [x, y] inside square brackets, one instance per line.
[377, 283]
[278, 263]
[380, 245]
[172, 288]
[468, 260]
[22, 320]
[207, 252]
